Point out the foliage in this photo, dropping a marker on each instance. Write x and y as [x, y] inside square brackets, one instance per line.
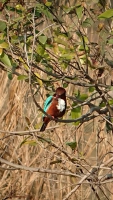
[46, 45]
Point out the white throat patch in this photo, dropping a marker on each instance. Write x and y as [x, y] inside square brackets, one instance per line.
[61, 104]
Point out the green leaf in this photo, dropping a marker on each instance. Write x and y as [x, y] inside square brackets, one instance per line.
[5, 59]
[79, 10]
[38, 79]
[72, 145]
[83, 97]
[110, 41]
[19, 7]
[107, 14]
[30, 142]
[2, 25]
[10, 76]
[61, 40]
[91, 89]
[102, 104]
[65, 85]
[40, 50]
[84, 47]
[45, 140]
[49, 67]
[111, 101]
[76, 113]
[87, 22]
[42, 39]
[68, 56]
[48, 3]
[42, 9]
[22, 77]
[48, 14]
[69, 10]
[19, 19]
[77, 94]
[3, 45]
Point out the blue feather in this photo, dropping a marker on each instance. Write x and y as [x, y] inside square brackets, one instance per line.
[47, 103]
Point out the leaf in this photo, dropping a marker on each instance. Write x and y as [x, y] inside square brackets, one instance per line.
[1, 50]
[110, 41]
[84, 47]
[48, 140]
[45, 140]
[111, 101]
[56, 161]
[61, 40]
[10, 76]
[19, 19]
[20, 7]
[69, 10]
[76, 113]
[40, 50]
[24, 64]
[72, 145]
[48, 3]
[42, 9]
[48, 14]
[2, 25]
[30, 142]
[3, 45]
[83, 97]
[37, 126]
[100, 27]
[42, 39]
[38, 78]
[68, 56]
[39, 7]
[77, 94]
[22, 77]
[5, 59]
[107, 14]
[87, 22]
[49, 67]
[91, 89]
[79, 10]
[65, 85]
[1, 36]
[102, 104]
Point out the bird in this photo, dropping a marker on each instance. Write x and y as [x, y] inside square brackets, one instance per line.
[55, 106]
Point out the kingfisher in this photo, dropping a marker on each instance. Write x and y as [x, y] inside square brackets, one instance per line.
[55, 106]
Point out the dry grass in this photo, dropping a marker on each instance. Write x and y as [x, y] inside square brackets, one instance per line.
[93, 149]
[56, 164]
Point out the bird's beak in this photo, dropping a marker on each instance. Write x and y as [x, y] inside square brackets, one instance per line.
[56, 96]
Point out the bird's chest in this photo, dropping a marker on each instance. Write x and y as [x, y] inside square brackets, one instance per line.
[57, 108]
[60, 105]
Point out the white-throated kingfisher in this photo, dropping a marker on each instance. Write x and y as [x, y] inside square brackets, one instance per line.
[55, 106]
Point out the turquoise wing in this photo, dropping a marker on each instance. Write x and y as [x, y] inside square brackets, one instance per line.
[47, 103]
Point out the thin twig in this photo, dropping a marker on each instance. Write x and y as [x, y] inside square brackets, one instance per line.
[33, 169]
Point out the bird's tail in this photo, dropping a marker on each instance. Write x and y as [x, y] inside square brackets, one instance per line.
[43, 127]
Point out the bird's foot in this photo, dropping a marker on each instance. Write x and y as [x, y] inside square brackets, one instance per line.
[55, 118]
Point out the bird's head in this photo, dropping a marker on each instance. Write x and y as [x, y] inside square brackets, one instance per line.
[60, 93]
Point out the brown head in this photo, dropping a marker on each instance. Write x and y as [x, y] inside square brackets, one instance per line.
[60, 93]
